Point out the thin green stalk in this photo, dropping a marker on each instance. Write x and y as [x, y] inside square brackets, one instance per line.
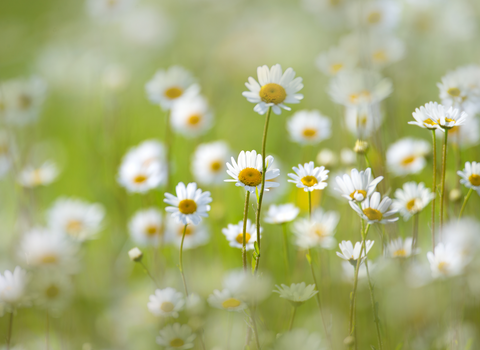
[285, 252]
[47, 331]
[254, 326]
[148, 273]
[434, 187]
[415, 232]
[444, 168]
[467, 197]
[292, 319]
[168, 148]
[9, 332]
[181, 261]
[262, 189]
[245, 217]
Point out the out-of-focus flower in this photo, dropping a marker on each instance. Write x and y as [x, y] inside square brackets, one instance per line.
[145, 227]
[247, 171]
[234, 235]
[462, 236]
[363, 120]
[115, 77]
[166, 303]
[13, 288]
[384, 49]
[135, 254]
[250, 288]
[352, 254]
[347, 156]
[335, 60]
[375, 209]
[280, 214]
[176, 337]
[191, 116]
[330, 13]
[209, 163]
[109, 9]
[379, 15]
[194, 304]
[348, 271]
[190, 204]
[358, 186]
[45, 174]
[398, 248]
[460, 88]
[309, 177]
[471, 176]
[316, 232]
[327, 158]
[447, 261]
[424, 117]
[195, 235]
[407, 156]
[226, 300]
[76, 218]
[296, 293]
[412, 199]
[309, 127]
[273, 89]
[299, 339]
[467, 134]
[53, 290]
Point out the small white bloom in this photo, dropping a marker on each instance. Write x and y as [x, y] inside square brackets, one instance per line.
[316, 232]
[299, 339]
[407, 156]
[13, 287]
[280, 214]
[195, 235]
[190, 204]
[460, 88]
[109, 9]
[424, 117]
[309, 127]
[471, 176]
[398, 248]
[446, 118]
[412, 199]
[347, 156]
[379, 15]
[358, 186]
[309, 177]
[334, 60]
[327, 158]
[363, 120]
[176, 337]
[191, 116]
[297, 293]
[462, 236]
[375, 209]
[273, 89]
[226, 300]
[234, 235]
[384, 49]
[166, 302]
[467, 134]
[209, 163]
[43, 175]
[352, 254]
[53, 290]
[145, 227]
[135, 254]
[249, 288]
[447, 261]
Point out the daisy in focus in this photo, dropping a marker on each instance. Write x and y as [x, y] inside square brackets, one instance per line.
[283, 213]
[446, 118]
[145, 227]
[247, 171]
[309, 177]
[316, 232]
[309, 127]
[195, 235]
[358, 186]
[407, 156]
[176, 337]
[43, 175]
[190, 204]
[234, 235]
[471, 176]
[351, 253]
[191, 116]
[166, 303]
[399, 248]
[424, 118]
[273, 89]
[296, 293]
[209, 163]
[375, 209]
[412, 199]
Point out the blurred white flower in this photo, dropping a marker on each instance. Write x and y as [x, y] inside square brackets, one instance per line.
[462, 236]
[471, 176]
[347, 156]
[250, 288]
[6, 152]
[309, 177]
[467, 134]
[379, 15]
[176, 337]
[375, 209]
[327, 158]
[352, 254]
[398, 248]
[166, 302]
[447, 261]
[296, 293]
[145, 227]
[460, 88]
[316, 232]
[412, 199]
[53, 291]
[195, 235]
[190, 204]
[309, 127]
[280, 214]
[109, 9]
[299, 339]
[115, 77]
[135, 254]
[226, 300]
[407, 156]
[334, 60]
[358, 186]
[363, 120]
[384, 49]
[43, 175]
[191, 116]
[273, 89]
[209, 163]
[234, 235]
[13, 288]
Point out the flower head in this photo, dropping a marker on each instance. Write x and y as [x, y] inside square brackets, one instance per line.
[190, 204]
[280, 214]
[424, 116]
[412, 199]
[352, 254]
[446, 261]
[145, 227]
[234, 235]
[43, 175]
[399, 248]
[13, 287]
[166, 302]
[407, 156]
[309, 177]
[318, 231]
[209, 163]
[176, 337]
[195, 235]
[471, 176]
[296, 293]
[309, 127]
[375, 209]
[191, 116]
[226, 300]
[358, 186]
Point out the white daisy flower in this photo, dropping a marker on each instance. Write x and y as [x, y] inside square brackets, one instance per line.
[76, 218]
[190, 204]
[327, 157]
[191, 116]
[407, 156]
[412, 199]
[334, 60]
[424, 117]
[146, 153]
[384, 49]
[296, 293]
[363, 120]
[226, 300]
[109, 9]
[234, 235]
[273, 89]
[316, 232]
[461, 88]
[462, 236]
[467, 134]
[167, 86]
[471, 176]
[176, 337]
[53, 291]
[447, 261]
[209, 163]
[280, 214]
[166, 302]
[247, 171]
[195, 235]
[309, 177]
[21, 100]
[398, 248]
[358, 186]
[145, 227]
[445, 117]
[31, 176]
[347, 156]
[299, 339]
[309, 127]
[352, 254]
[375, 209]
[249, 288]
[139, 178]
[377, 15]
[13, 288]
[44, 249]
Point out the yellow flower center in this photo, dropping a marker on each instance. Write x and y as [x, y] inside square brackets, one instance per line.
[319, 231]
[139, 179]
[49, 259]
[37, 177]
[52, 292]
[400, 253]
[408, 160]
[309, 180]
[151, 230]
[429, 122]
[273, 93]
[455, 92]
[362, 192]
[74, 227]
[194, 119]
[250, 177]
[474, 179]
[231, 303]
[239, 238]
[380, 56]
[177, 342]
[173, 93]
[355, 98]
[187, 206]
[374, 17]
[336, 67]
[167, 306]
[24, 101]
[443, 267]
[412, 205]
[309, 132]
[215, 166]
[373, 214]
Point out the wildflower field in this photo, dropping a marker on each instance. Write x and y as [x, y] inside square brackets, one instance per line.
[237, 174]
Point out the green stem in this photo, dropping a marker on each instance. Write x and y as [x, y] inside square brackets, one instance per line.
[467, 197]
[47, 331]
[309, 205]
[293, 318]
[415, 232]
[434, 186]
[148, 273]
[245, 217]
[254, 326]
[285, 252]
[262, 189]
[444, 168]
[374, 305]
[9, 332]
[168, 147]
[181, 260]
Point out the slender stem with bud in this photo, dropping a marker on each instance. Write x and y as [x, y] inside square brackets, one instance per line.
[148, 273]
[467, 197]
[434, 187]
[181, 260]
[244, 244]
[444, 168]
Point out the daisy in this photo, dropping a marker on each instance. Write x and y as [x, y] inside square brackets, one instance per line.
[471, 176]
[363, 120]
[109, 9]
[135, 254]
[146, 153]
[299, 339]
[318, 231]
[76, 218]
[53, 291]
[467, 134]
[209, 163]
[358, 186]
[446, 261]
[249, 288]
[273, 89]
[138, 178]
[296, 293]
[234, 235]
[167, 86]
[462, 236]
[43, 175]
[407, 156]
[352, 254]
[308, 177]
[335, 60]
[13, 288]
[377, 15]
[445, 118]
[247, 171]
[166, 303]
[412, 199]
[309, 127]
[280, 214]
[398, 248]
[176, 337]
[327, 157]
[384, 49]
[195, 235]
[424, 118]
[190, 204]
[44, 249]
[145, 227]
[191, 116]
[375, 209]
[460, 88]
[226, 300]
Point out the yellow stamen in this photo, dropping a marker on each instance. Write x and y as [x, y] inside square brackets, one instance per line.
[400, 253]
[239, 238]
[187, 206]
[216, 166]
[74, 227]
[250, 177]
[24, 101]
[408, 160]
[151, 230]
[373, 214]
[177, 342]
[374, 17]
[49, 259]
[412, 205]
[430, 122]
[380, 56]
[474, 179]
[194, 119]
[167, 306]
[173, 92]
[362, 192]
[309, 133]
[309, 180]
[336, 67]
[52, 291]
[273, 93]
[188, 231]
[139, 179]
[455, 92]
[231, 303]
[443, 267]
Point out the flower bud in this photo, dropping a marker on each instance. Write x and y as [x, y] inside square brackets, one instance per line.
[135, 254]
[361, 147]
